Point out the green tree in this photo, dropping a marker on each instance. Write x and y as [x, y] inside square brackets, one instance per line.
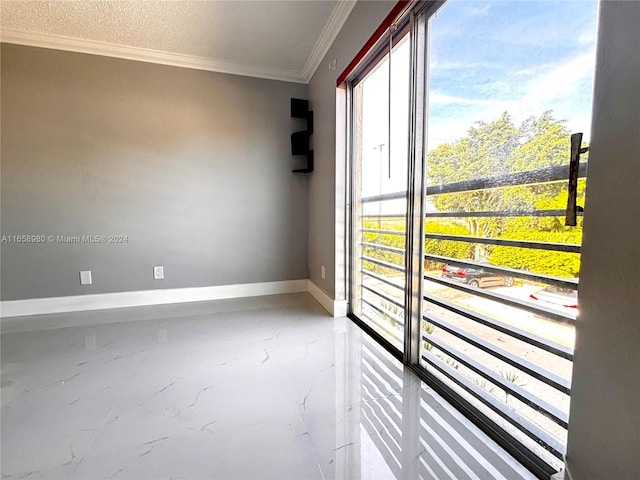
[493, 149]
[485, 152]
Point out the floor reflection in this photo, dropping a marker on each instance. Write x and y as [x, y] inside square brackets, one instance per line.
[401, 429]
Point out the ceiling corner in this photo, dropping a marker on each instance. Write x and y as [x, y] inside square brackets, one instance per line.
[331, 30]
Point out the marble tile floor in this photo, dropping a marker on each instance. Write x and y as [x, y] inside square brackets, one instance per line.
[260, 388]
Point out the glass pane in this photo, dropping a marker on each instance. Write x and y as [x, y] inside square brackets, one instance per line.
[508, 83]
[379, 181]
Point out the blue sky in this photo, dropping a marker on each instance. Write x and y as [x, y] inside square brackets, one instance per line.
[524, 57]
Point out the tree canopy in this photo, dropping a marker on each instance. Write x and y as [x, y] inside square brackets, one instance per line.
[497, 148]
[488, 150]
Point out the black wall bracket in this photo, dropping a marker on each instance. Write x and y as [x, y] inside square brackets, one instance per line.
[300, 140]
[574, 165]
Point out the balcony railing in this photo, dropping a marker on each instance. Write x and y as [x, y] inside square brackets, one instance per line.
[505, 354]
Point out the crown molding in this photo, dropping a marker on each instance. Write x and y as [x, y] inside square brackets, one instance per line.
[42, 40]
[331, 30]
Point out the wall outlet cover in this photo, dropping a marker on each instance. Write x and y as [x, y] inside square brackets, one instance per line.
[158, 272]
[85, 277]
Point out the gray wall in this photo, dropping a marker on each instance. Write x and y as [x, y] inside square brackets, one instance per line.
[195, 167]
[604, 425]
[326, 187]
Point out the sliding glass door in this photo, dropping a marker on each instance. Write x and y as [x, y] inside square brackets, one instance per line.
[468, 173]
[380, 145]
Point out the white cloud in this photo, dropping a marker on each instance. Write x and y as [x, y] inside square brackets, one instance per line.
[558, 87]
[444, 99]
[443, 65]
[559, 81]
[479, 11]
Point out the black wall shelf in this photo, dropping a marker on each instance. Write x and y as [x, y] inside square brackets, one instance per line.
[300, 140]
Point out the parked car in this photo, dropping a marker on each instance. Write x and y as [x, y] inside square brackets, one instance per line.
[476, 277]
[565, 299]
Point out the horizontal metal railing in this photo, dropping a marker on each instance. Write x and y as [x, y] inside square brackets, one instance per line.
[385, 197]
[517, 333]
[536, 277]
[398, 320]
[557, 247]
[526, 397]
[376, 315]
[471, 347]
[382, 263]
[537, 412]
[504, 299]
[509, 358]
[385, 248]
[382, 279]
[484, 214]
[384, 296]
[384, 232]
[383, 215]
[543, 175]
[492, 214]
[520, 422]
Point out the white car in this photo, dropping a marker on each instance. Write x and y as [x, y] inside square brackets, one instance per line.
[563, 299]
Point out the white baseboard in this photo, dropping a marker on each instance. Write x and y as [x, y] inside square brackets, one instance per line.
[337, 308]
[568, 470]
[38, 306]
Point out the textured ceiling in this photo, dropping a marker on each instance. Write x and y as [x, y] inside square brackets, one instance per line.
[281, 37]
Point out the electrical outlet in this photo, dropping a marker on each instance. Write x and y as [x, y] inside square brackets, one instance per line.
[85, 277]
[158, 272]
[322, 271]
